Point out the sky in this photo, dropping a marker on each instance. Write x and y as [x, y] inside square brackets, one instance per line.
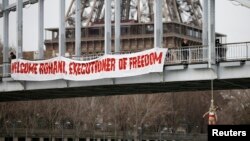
[231, 20]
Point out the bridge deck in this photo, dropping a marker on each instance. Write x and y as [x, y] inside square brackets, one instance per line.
[125, 89]
[231, 71]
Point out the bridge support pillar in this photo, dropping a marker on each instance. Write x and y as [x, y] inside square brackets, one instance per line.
[19, 48]
[211, 32]
[205, 28]
[40, 28]
[117, 25]
[62, 28]
[41, 139]
[5, 39]
[158, 23]
[107, 33]
[1, 138]
[78, 28]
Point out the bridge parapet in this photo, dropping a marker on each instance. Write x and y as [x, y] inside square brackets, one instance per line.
[193, 54]
[230, 71]
[185, 55]
[233, 51]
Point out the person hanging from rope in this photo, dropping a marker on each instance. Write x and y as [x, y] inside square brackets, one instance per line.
[212, 115]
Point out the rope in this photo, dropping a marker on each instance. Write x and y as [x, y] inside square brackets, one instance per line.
[212, 90]
[212, 95]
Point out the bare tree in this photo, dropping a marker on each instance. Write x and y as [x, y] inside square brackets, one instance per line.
[130, 115]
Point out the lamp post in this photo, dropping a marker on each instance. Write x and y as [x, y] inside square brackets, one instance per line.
[62, 125]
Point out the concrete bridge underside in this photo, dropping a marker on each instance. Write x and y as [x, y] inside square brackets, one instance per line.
[176, 78]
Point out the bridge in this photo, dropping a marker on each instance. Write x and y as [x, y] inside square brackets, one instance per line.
[229, 72]
[185, 69]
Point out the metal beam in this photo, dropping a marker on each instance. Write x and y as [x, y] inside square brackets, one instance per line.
[99, 12]
[205, 23]
[12, 7]
[5, 39]
[40, 29]
[19, 47]
[107, 36]
[78, 28]
[62, 28]
[90, 15]
[166, 12]
[117, 25]
[158, 24]
[245, 3]
[127, 9]
[177, 15]
[205, 27]
[211, 32]
[70, 7]
[151, 10]
[139, 11]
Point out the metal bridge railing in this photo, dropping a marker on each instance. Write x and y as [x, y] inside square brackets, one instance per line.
[195, 54]
[198, 54]
[1, 71]
[233, 51]
[187, 55]
[87, 57]
[95, 56]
